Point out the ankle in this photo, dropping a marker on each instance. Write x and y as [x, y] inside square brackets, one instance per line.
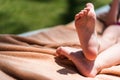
[92, 49]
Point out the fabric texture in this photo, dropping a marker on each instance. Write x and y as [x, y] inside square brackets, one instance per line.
[33, 57]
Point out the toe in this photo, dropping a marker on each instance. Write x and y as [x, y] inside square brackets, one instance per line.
[90, 5]
[81, 14]
[87, 9]
[58, 51]
[77, 16]
[85, 12]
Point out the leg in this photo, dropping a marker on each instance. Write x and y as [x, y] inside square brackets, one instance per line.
[109, 37]
[108, 58]
[85, 26]
[112, 16]
[91, 68]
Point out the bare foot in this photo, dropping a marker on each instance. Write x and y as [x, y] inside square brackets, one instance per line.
[85, 26]
[84, 66]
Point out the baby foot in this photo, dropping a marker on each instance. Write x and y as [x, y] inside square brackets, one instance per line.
[84, 66]
[85, 26]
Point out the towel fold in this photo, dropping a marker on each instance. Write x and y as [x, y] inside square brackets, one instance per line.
[33, 57]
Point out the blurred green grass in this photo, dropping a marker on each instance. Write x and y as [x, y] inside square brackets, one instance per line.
[18, 16]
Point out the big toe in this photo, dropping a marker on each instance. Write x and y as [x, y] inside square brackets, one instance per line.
[90, 5]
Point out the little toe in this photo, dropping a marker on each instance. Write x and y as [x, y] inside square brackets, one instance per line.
[77, 16]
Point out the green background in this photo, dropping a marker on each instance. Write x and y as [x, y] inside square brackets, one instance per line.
[18, 16]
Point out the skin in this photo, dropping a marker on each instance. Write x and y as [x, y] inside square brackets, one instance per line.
[85, 22]
[85, 25]
[92, 68]
[87, 60]
[113, 11]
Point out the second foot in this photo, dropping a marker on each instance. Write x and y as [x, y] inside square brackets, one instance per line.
[84, 66]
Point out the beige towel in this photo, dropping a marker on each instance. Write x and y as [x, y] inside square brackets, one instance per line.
[33, 57]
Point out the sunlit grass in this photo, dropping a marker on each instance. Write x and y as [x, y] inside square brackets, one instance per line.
[17, 16]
